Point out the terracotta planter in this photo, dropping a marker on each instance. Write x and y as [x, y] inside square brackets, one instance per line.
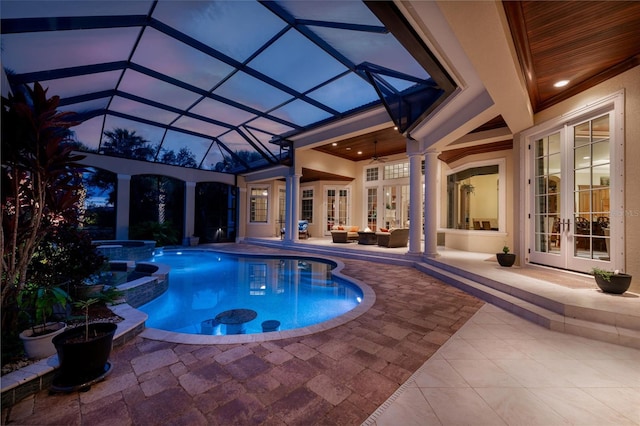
[506, 259]
[41, 346]
[617, 283]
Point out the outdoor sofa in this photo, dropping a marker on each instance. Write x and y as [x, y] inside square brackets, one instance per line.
[344, 234]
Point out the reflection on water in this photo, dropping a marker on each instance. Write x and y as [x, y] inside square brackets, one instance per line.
[297, 292]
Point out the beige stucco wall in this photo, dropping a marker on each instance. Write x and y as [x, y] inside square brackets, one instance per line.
[263, 229]
[630, 83]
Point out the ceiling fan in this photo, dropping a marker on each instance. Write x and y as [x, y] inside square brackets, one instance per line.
[375, 158]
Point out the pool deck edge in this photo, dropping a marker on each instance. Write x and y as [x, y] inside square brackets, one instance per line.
[35, 377]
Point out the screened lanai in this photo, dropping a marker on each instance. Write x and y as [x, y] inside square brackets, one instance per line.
[219, 85]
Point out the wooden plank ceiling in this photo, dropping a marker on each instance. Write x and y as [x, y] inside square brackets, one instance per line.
[585, 42]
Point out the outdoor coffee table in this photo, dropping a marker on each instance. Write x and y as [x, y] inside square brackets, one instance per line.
[367, 238]
[235, 319]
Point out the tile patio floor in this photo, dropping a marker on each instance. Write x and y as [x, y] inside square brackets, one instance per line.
[395, 365]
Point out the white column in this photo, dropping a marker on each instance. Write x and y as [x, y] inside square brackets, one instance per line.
[287, 208]
[189, 209]
[431, 204]
[415, 194]
[122, 206]
[292, 213]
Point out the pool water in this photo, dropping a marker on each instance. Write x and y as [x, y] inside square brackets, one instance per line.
[297, 292]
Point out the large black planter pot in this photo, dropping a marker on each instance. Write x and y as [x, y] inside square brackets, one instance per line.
[617, 284]
[506, 259]
[83, 363]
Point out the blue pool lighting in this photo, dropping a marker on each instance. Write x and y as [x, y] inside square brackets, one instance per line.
[296, 292]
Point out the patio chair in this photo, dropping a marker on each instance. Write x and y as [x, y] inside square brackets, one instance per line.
[303, 229]
[398, 237]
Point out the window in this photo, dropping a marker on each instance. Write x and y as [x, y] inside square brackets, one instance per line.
[473, 199]
[396, 171]
[372, 174]
[257, 279]
[307, 205]
[259, 204]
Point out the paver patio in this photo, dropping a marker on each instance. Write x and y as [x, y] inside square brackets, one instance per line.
[335, 377]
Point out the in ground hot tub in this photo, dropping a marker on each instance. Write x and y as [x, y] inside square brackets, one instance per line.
[126, 249]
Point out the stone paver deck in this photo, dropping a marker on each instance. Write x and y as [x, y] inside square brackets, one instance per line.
[335, 377]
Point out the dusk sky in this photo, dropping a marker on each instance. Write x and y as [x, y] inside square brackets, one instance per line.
[246, 68]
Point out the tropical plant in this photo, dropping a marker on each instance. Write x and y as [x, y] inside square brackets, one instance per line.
[41, 185]
[240, 158]
[38, 302]
[67, 256]
[164, 234]
[184, 158]
[126, 143]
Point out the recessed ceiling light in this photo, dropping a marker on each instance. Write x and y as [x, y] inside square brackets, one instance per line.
[334, 144]
[561, 83]
[348, 149]
[359, 152]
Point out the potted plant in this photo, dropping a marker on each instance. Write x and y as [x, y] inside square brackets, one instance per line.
[505, 258]
[39, 303]
[611, 282]
[83, 352]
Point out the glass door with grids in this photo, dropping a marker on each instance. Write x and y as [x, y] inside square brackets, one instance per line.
[337, 208]
[571, 196]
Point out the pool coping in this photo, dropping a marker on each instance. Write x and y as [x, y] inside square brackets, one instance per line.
[368, 300]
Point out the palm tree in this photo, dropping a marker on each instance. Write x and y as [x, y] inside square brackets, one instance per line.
[126, 143]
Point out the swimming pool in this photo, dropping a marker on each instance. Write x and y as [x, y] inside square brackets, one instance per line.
[297, 292]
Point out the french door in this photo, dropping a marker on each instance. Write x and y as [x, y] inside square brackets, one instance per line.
[337, 208]
[571, 192]
[396, 206]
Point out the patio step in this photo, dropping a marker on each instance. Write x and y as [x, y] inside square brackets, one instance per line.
[546, 304]
[586, 321]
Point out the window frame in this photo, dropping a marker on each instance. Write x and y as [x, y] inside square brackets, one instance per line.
[502, 193]
[308, 199]
[253, 198]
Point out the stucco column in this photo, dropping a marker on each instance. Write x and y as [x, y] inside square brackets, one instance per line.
[292, 213]
[122, 206]
[415, 209]
[189, 209]
[431, 203]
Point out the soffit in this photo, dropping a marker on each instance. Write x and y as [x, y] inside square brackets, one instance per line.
[585, 42]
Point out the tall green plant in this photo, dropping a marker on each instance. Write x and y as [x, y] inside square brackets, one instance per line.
[41, 184]
[39, 302]
[85, 305]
